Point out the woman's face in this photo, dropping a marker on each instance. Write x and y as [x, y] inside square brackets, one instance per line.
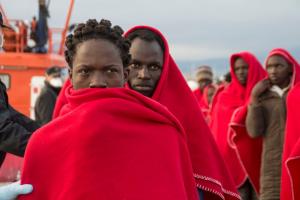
[97, 64]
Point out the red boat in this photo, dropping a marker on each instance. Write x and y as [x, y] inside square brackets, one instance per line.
[22, 72]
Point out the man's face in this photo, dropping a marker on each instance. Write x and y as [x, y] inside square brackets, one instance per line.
[279, 70]
[203, 80]
[241, 70]
[55, 80]
[97, 64]
[145, 66]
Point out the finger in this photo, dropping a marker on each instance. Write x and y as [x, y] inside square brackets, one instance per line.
[266, 81]
[23, 189]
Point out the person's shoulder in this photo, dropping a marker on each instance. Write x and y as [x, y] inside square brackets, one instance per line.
[2, 86]
[3, 94]
[46, 91]
[43, 96]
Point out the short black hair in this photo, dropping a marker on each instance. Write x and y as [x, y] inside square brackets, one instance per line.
[93, 29]
[148, 35]
[53, 70]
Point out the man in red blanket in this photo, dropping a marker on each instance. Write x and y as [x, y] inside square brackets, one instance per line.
[266, 118]
[107, 142]
[154, 73]
[245, 72]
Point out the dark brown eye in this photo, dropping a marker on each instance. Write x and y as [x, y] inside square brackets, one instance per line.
[154, 67]
[83, 71]
[112, 70]
[135, 66]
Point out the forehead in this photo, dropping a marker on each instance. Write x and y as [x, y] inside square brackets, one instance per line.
[240, 62]
[204, 76]
[277, 59]
[146, 51]
[97, 51]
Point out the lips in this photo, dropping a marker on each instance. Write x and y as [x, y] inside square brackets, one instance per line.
[273, 78]
[143, 87]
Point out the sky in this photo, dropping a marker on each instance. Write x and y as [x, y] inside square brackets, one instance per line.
[195, 29]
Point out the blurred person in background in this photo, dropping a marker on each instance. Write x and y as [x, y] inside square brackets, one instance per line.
[45, 102]
[204, 77]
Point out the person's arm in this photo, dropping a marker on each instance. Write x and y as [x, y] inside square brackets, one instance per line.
[255, 122]
[13, 136]
[14, 131]
[23, 120]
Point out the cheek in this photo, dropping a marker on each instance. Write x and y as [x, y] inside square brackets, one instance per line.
[117, 80]
[156, 76]
[132, 74]
[269, 70]
[79, 82]
[289, 70]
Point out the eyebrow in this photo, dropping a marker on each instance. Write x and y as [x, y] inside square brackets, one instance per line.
[150, 63]
[134, 61]
[91, 66]
[110, 66]
[154, 63]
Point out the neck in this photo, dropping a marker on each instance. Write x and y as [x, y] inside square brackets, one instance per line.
[285, 83]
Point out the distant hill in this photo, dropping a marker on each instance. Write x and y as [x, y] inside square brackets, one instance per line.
[221, 65]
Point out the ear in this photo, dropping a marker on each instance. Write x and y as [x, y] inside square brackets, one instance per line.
[126, 74]
[70, 73]
[291, 68]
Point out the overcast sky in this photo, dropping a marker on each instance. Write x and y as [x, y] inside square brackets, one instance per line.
[195, 29]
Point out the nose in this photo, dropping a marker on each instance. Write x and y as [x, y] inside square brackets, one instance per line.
[272, 70]
[240, 72]
[98, 81]
[144, 73]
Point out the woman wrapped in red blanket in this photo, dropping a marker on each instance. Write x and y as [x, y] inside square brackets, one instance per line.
[107, 143]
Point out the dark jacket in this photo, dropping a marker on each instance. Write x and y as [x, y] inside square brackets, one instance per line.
[45, 104]
[15, 128]
[267, 119]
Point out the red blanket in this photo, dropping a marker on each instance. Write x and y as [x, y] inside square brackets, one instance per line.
[248, 149]
[204, 103]
[109, 144]
[290, 181]
[61, 99]
[232, 97]
[291, 157]
[173, 92]
[293, 165]
[198, 94]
